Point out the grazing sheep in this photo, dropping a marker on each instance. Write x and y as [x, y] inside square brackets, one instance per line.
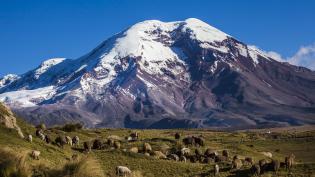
[185, 151]
[249, 160]
[147, 147]
[110, 142]
[30, 138]
[262, 164]
[134, 136]
[267, 154]
[69, 140]
[177, 135]
[147, 154]
[173, 157]
[208, 160]
[237, 164]
[38, 132]
[35, 154]
[236, 157]
[47, 139]
[76, 141]
[211, 153]
[289, 161]
[60, 141]
[117, 145]
[159, 155]
[97, 144]
[41, 136]
[216, 170]
[134, 150]
[255, 170]
[182, 159]
[275, 165]
[87, 146]
[225, 153]
[189, 141]
[164, 148]
[220, 158]
[123, 171]
[199, 141]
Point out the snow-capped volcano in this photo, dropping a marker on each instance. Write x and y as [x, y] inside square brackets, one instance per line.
[161, 75]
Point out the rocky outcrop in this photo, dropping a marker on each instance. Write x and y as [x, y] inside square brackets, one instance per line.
[8, 120]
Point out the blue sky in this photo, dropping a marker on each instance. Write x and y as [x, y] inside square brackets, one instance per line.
[34, 30]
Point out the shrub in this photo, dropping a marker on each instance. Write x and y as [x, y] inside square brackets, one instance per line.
[72, 127]
[41, 126]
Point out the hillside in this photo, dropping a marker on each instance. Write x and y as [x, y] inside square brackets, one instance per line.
[154, 74]
[245, 144]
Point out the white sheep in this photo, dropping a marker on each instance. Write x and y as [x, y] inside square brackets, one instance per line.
[123, 171]
[35, 154]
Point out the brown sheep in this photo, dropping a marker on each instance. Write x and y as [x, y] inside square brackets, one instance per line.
[210, 153]
[189, 141]
[76, 141]
[208, 160]
[255, 170]
[177, 135]
[289, 161]
[236, 157]
[262, 164]
[87, 146]
[117, 145]
[275, 165]
[97, 144]
[225, 153]
[249, 160]
[60, 141]
[47, 139]
[199, 141]
[221, 158]
[110, 142]
[237, 164]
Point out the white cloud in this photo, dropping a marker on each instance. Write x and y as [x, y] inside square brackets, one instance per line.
[274, 55]
[305, 56]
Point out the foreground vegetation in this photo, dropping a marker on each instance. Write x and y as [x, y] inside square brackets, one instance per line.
[56, 161]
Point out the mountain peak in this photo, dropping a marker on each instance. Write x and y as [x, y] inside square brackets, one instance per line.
[184, 71]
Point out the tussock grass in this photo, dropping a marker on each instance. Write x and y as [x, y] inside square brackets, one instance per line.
[86, 167]
[13, 164]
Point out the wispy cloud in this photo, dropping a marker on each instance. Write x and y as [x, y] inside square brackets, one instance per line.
[305, 57]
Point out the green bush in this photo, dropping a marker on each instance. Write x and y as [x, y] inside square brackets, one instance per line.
[72, 127]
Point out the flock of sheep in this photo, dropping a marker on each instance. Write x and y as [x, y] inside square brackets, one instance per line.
[183, 154]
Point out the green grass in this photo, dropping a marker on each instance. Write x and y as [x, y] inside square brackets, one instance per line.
[242, 143]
